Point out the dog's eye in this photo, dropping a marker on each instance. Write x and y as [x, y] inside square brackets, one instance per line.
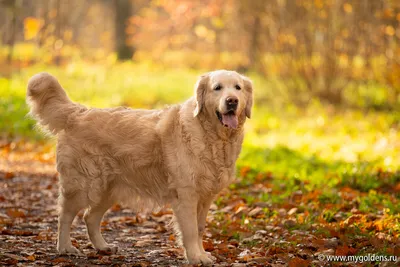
[237, 87]
[218, 87]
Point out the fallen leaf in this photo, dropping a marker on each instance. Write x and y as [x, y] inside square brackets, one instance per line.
[31, 257]
[9, 175]
[299, 262]
[345, 250]
[171, 237]
[15, 213]
[208, 245]
[292, 211]
[17, 232]
[15, 257]
[254, 212]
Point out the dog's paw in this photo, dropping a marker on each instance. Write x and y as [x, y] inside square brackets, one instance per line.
[211, 257]
[69, 250]
[108, 250]
[201, 259]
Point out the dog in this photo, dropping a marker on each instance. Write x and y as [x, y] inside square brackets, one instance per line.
[182, 155]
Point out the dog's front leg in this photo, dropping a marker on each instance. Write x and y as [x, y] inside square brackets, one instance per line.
[202, 210]
[185, 210]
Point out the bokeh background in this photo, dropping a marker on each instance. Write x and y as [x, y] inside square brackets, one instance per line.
[324, 136]
[325, 72]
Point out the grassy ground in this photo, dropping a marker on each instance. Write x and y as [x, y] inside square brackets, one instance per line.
[320, 170]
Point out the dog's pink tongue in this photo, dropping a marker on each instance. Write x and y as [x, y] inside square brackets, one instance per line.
[230, 120]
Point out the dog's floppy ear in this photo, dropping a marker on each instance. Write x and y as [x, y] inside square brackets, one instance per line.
[199, 93]
[248, 85]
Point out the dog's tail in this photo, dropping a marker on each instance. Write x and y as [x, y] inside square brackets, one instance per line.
[49, 103]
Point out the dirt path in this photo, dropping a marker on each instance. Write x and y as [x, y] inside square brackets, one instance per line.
[28, 225]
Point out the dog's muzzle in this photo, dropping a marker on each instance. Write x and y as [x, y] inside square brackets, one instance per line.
[229, 119]
[231, 103]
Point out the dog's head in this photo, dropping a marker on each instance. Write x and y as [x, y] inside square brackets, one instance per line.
[225, 96]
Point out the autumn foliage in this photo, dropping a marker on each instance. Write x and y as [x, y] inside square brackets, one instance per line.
[318, 174]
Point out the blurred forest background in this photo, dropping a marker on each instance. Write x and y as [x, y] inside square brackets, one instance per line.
[321, 150]
[342, 52]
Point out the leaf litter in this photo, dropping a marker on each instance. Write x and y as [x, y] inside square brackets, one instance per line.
[241, 231]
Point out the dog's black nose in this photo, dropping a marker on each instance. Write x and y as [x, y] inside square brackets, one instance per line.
[232, 102]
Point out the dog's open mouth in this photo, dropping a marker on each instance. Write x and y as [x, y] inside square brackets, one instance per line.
[228, 119]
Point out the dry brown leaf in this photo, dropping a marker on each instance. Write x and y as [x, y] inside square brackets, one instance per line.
[345, 250]
[171, 237]
[9, 175]
[15, 213]
[31, 257]
[208, 245]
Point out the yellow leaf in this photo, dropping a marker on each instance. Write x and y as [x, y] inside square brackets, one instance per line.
[247, 258]
[68, 34]
[201, 31]
[217, 23]
[388, 13]
[347, 8]
[389, 30]
[31, 27]
[171, 237]
[319, 3]
[31, 257]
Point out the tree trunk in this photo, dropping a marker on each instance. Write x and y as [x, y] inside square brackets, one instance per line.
[254, 43]
[58, 43]
[45, 16]
[11, 40]
[123, 10]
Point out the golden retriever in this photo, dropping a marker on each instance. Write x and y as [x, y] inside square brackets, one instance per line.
[182, 155]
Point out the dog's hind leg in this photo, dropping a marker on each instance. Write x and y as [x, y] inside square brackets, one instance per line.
[69, 207]
[93, 217]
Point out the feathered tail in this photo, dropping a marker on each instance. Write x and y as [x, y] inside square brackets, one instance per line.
[49, 103]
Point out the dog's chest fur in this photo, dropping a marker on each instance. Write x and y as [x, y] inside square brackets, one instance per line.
[217, 161]
[224, 155]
